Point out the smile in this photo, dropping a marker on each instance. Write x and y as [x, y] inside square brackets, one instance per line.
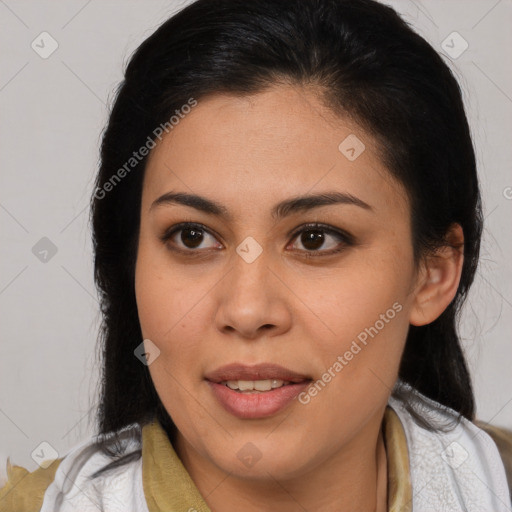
[248, 386]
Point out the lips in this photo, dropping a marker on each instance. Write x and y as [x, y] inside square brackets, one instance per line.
[255, 404]
[263, 371]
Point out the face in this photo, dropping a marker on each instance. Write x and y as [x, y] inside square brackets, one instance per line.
[315, 294]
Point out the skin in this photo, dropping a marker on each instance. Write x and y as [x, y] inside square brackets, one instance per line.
[249, 153]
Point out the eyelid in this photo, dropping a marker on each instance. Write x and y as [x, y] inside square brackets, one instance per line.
[331, 230]
[175, 228]
[345, 238]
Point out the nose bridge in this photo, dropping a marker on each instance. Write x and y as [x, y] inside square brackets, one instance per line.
[250, 250]
[252, 297]
[250, 284]
[251, 261]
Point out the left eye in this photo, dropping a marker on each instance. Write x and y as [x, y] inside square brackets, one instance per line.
[312, 237]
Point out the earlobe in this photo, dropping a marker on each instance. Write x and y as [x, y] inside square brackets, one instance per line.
[439, 279]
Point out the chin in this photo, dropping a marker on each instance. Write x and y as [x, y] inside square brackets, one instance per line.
[261, 460]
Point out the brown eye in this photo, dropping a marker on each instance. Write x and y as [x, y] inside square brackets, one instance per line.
[312, 240]
[188, 237]
[191, 237]
[315, 237]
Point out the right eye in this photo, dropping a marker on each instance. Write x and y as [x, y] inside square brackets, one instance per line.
[191, 237]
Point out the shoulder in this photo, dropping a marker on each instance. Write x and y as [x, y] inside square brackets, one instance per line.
[85, 479]
[502, 437]
[455, 466]
[25, 490]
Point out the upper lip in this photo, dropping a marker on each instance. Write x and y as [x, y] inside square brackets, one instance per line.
[262, 371]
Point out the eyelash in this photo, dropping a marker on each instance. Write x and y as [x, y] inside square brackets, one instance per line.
[346, 239]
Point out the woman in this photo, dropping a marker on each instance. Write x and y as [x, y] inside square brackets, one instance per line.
[286, 223]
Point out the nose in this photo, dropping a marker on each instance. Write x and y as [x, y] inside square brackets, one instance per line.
[252, 300]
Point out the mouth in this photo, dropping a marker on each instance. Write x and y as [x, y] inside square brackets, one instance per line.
[259, 391]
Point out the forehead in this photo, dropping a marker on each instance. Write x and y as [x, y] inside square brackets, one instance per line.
[264, 147]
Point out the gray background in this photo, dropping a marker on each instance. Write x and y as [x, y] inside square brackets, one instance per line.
[52, 113]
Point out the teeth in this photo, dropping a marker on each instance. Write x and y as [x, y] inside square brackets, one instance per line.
[255, 385]
[262, 385]
[245, 385]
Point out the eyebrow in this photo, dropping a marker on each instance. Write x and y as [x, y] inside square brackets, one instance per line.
[280, 210]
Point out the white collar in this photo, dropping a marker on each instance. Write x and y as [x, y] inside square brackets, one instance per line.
[458, 470]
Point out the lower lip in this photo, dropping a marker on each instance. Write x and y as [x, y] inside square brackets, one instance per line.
[256, 405]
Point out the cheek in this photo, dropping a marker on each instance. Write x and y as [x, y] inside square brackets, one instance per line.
[365, 306]
[170, 305]
[169, 312]
[360, 356]
[357, 294]
[159, 289]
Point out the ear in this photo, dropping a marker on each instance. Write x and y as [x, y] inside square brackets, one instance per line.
[438, 279]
